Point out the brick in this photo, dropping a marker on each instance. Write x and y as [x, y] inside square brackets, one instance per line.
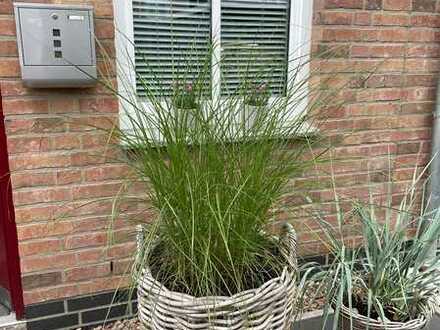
[58, 322]
[110, 172]
[87, 272]
[373, 4]
[377, 51]
[42, 230]
[99, 105]
[90, 240]
[122, 251]
[106, 50]
[32, 179]
[329, 51]
[397, 4]
[9, 67]
[25, 197]
[102, 299]
[12, 88]
[103, 9]
[411, 160]
[64, 105]
[417, 50]
[124, 235]
[336, 18]
[44, 309]
[104, 28]
[91, 255]
[347, 4]
[8, 48]
[408, 147]
[93, 140]
[103, 313]
[423, 35]
[94, 157]
[11, 107]
[64, 177]
[89, 208]
[394, 35]
[45, 246]
[41, 280]
[30, 213]
[35, 125]
[6, 7]
[89, 123]
[384, 94]
[373, 109]
[391, 19]
[122, 267]
[90, 224]
[50, 293]
[424, 5]
[384, 80]
[423, 20]
[7, 26]
[416, 121]
[95, 190]
[417, 107]
[422, 65]
[341, 35]
[49, 262]
[65, 142]
[32, 144]
[419, 94]
[362, 18]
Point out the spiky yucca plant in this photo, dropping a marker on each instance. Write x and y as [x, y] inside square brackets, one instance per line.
[393, 276]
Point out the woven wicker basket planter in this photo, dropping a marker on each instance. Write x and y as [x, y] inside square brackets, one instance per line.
[361, 322]
[269, 307]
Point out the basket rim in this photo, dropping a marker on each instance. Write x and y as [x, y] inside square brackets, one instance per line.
[165, 292]
[347, 312]
[287, 244]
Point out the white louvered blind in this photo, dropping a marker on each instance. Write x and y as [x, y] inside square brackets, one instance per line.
[168, 34]
[255, 43]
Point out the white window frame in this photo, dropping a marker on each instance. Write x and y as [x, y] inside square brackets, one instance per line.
[300, 27]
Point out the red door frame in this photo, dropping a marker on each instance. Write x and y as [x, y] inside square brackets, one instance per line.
[10, 274]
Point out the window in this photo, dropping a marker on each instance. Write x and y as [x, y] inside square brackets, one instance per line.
[254, 39]
[164, 31]
[167, 34]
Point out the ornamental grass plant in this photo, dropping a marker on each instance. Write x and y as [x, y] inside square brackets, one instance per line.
[212, 181]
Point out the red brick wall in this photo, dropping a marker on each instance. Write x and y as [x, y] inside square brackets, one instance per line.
[59, 163]
[392, 49]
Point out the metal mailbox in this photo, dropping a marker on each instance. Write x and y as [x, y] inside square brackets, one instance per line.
[56, 45]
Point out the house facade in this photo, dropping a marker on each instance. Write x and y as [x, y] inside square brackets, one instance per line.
[63, 181]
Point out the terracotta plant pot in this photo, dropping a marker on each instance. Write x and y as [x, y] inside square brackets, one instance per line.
[271, 306]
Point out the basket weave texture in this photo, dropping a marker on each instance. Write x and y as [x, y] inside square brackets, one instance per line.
[360, 322]
[269, 307]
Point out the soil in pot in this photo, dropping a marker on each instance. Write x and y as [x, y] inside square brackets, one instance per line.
[252, 277]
